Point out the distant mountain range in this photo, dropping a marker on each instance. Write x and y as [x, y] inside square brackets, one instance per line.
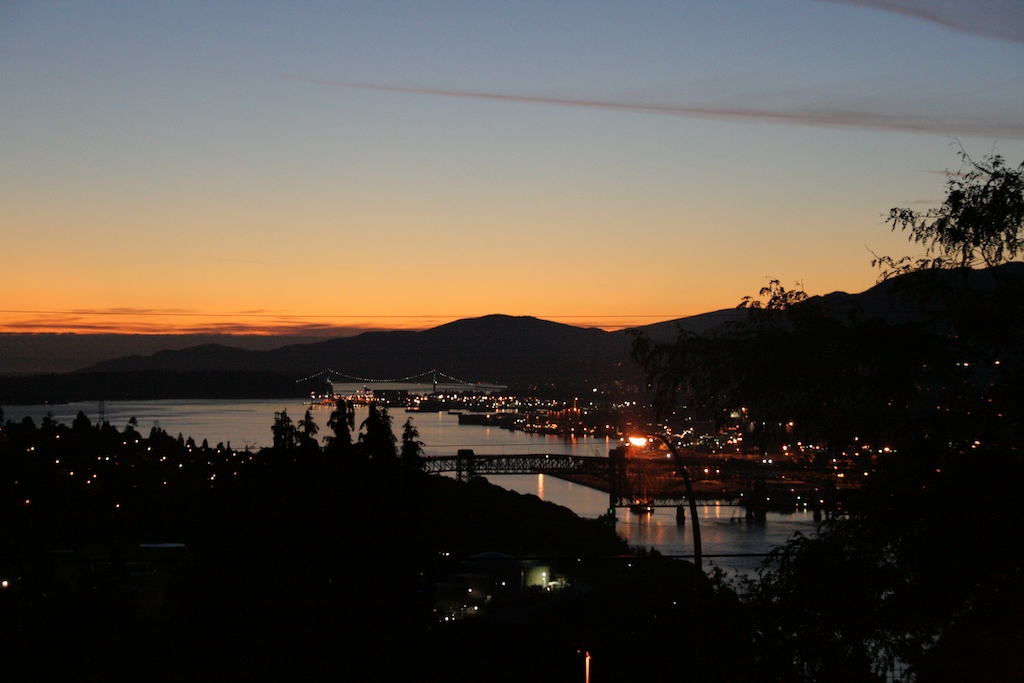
[521, 352]
[498, 349]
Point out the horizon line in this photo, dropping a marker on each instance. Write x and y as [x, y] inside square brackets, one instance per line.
[303, 326]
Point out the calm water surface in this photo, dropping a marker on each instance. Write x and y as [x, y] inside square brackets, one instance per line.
[248, 423]
[724, 531]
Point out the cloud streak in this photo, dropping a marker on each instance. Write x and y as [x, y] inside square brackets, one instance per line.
[146, 321]
[143, 321]
[996, 126]
[1003, 19]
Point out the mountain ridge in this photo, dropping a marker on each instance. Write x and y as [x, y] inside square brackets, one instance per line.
[494, 348]
[523, 352]
[507, 349]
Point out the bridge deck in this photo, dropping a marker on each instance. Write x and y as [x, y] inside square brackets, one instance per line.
[655, 482]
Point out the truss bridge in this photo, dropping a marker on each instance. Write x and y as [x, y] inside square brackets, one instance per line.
[467, 464]
[629, 484]
[649, 482]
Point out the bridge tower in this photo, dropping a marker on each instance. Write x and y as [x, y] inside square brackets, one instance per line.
[465, 468]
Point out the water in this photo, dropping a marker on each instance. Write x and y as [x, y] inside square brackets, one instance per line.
[248, 423]
[243, 423]
[725, 534]
[728, 540]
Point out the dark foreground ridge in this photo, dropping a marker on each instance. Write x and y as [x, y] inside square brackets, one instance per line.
[144, 559]
[132, 558]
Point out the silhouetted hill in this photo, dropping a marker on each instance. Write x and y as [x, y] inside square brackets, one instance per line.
[207, 357]
[520, 350]
[524, 353]
[895, 300]
[703, 323]
[892, 300]
[42, 352]
[500, 349]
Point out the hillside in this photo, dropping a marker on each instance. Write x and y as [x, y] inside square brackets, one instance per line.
[495, 349]
[524, 353]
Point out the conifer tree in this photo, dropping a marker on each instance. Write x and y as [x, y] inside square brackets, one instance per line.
[378, 439]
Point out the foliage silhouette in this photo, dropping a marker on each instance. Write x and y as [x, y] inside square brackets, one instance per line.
[412, 447]
[286, 436]
[341, 423]
[908, 584]
[376, 438]
[979, 222]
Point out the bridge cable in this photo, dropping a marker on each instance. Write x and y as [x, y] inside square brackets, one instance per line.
[368, 380]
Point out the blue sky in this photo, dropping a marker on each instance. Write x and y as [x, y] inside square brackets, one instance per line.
[321, 167]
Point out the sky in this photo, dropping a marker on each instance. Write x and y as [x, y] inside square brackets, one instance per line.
[327, 167]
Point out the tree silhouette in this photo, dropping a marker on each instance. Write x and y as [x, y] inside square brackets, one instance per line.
[285, 434]
[921, 583]
[412, 447]
[341, 422]
[907, 579]
[792, 371]
[306, 432]
[775, 298]
[378, 439]
[974, 315]
[979, 223]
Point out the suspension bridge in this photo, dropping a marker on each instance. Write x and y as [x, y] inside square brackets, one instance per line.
[432, 378]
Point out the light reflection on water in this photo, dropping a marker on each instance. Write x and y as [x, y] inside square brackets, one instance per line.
[724, 530]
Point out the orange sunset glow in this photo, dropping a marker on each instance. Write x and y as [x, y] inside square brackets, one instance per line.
[258, 323]
[175, 170]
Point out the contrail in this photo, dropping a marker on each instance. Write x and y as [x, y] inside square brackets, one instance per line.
[822, 116]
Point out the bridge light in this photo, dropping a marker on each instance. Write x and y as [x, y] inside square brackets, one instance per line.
[638, 441]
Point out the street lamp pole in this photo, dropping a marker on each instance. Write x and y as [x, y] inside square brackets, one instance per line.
[697, 558]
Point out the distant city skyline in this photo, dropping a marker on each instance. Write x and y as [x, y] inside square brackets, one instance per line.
[326, 168]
